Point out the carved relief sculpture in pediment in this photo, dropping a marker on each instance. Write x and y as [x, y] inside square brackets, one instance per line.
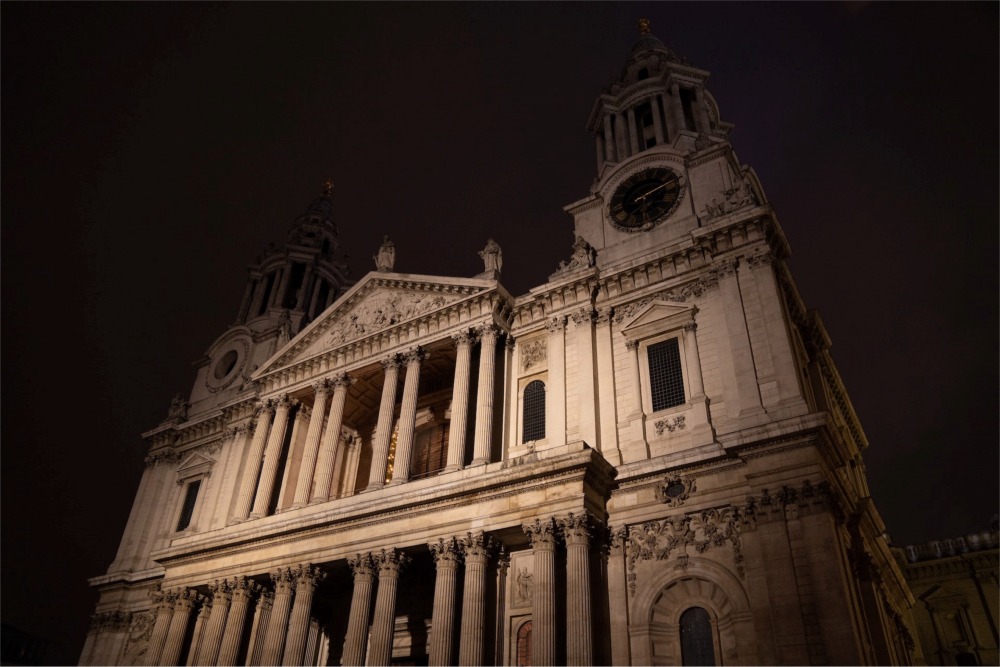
[384, 309]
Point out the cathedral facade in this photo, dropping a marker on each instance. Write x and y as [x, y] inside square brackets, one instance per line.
[649, 459]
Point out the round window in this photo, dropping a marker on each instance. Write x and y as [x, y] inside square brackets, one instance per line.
[226, 364]
[674, 490]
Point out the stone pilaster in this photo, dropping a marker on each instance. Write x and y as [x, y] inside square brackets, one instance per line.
[484, 398]
[164, 601]
[184, 602]
[255, 456]
[277, 625]
[311, 450]
[383, 431]
[306, 578]
[693, 360]
[446, 557]
[618, 599]
[407, 416]
[241, 591]
[543, 599]
[272, 454]
[363, 567]
[383, 624]
[555, 392]
[476, 550]
[579, 621]
[658, 129]
[212, 639]
[459, 401]
[331, 439]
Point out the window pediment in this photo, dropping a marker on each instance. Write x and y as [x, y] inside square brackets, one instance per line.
[657, 317]
[195, 465]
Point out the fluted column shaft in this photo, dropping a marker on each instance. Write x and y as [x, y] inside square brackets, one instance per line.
[476, 548]
[363, 568]
[579, 623]
[307, 467]
[407, 417]
[272, 454]
[446, 557]
[633, 369]
[277, 625]
[158, 637]
[241, 589]
[331, 438]
[306, 578]
[693, 360]
[383, 431]
[484, 397]
[459, 401]
[186, 600]
[384, 621]
[254, 458]
[258, 633]
[543, 598]
[212, 639]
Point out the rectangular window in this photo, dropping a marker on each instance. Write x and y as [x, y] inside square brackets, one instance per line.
[666, 381]
[687, 104]
[190, 498]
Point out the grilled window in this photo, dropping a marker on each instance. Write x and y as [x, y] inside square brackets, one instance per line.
[534, 411]
[666, 381]
[190, 498]
[696, 638]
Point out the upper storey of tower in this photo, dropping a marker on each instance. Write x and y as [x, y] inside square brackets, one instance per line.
[658, 99]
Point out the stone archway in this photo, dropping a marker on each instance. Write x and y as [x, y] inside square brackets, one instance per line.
[655, 633]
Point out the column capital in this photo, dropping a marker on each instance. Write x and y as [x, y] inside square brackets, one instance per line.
[391, 362]
[307, 576]
[575, 528]
[164, 599]
[284, 580]
[362, 565]
[488, 330]
[726, 267]
[266, 601]
[342, 380]
[604, 315]
[632, 345]
[265, 405]
[284, 402]
[321, 387]
[760, 258]
[542, 534]
[446, 552]
[466, 338]
[390, 562]
[583, 316]
[616, 540]
[690, 327]
[510, 343]
[220, 590]
[242, 587]
[476, 546]
[187, 598]
[556, 324]
[414, 356]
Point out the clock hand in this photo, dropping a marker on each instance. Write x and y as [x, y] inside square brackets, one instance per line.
[658, 187]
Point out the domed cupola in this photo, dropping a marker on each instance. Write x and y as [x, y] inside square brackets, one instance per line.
[659, 99]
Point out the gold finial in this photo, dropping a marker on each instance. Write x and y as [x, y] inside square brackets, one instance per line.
[328, 187]
[643, 26]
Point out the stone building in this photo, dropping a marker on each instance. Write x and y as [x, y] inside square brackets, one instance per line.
[957, 598]
[649, 459]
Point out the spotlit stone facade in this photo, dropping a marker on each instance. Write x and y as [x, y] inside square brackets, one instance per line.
[649, 459]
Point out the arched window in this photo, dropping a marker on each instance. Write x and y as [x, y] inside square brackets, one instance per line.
[696, 638]
[534, 411]
[524, 645]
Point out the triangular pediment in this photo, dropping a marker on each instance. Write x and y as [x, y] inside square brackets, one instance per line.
[195, 464]
[658, 315]
[377, 303]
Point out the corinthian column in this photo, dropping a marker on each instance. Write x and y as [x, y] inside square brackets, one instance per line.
[384, 622]
[184, 603]
[383, 431]
[363, 568]
[212, 639]
[164, 610]
[484, 397]
[446, 557]
[331, 439]
[543, 599]
[306, 578]
[476, 549]
[459, 401]
[304, 483]
[579, 626]
[277, 624]
[407, 416]
[258, 632]
[254, 458]
[271, 458]
[241, 590]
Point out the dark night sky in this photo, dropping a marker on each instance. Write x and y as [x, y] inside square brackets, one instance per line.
[150, 151]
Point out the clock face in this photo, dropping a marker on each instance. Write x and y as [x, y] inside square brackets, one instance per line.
[644, 199]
